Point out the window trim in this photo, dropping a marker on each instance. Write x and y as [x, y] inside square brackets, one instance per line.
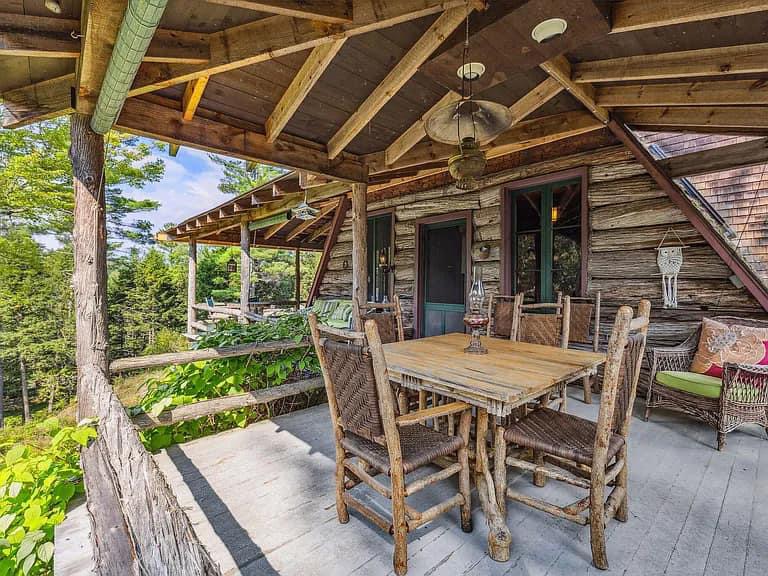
[507, 232]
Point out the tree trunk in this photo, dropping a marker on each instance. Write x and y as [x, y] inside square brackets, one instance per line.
[90, 247]
[24, 390]
[2, 395]
[192, 287]
[51, 397]
[245, 270]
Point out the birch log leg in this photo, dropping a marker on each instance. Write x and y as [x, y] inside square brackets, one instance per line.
[500, 467]
[499, 538]
[464, 488]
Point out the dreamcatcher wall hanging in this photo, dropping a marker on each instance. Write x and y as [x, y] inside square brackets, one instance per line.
[670, 261]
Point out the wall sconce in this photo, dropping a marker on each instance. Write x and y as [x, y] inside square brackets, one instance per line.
[555, 213]
[384, 261]
[232, 265]
[485, 251]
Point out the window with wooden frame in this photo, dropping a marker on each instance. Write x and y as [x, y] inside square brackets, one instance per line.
[546, 237]
[380, 255]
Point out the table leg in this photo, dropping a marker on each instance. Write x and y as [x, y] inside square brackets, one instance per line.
[499, 538]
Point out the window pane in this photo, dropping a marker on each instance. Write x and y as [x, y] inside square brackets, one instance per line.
[566, 261]
[528, 264]
[379, 238]
[528, 211]
[566, 204]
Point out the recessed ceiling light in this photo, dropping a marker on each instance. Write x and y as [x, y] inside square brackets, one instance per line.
[549, 29]
[471, 70]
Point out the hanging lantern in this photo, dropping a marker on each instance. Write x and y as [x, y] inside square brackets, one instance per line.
[468, 124]
[232, 265]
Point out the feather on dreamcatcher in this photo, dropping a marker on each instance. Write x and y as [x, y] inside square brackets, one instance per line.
[670, 261]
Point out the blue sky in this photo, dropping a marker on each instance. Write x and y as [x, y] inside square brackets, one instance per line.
[189, 186]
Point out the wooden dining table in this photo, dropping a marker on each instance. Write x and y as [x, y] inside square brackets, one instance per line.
[510, 375]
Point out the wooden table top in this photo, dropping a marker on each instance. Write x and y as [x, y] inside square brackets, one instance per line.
[510, 374]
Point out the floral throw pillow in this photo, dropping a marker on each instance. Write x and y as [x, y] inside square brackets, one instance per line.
[720, 343]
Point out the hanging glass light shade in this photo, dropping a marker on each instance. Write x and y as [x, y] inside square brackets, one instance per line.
[468, 124]
[232, 265]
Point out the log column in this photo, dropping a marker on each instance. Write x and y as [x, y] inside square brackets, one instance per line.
[298, 279]
[359, 243]
[89, 279]
[245, 269]
[192, 286]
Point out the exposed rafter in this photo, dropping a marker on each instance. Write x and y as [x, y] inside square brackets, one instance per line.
[526, 134]
[149, 118]
[275, 228]
[306, 225]
[435, 35]
[737, 118]
[309, 180]
[723, 93]
[728, 157]
[320, 232]
[192, 96]
[277, 36]
[559, 68]
[629, 15]
[320, 10]
[44, 37]
[307, 76]
[41, 101]
[743, 59]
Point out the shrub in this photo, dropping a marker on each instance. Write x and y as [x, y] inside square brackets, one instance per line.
[204, 380]
[35, 486]
[167, 340]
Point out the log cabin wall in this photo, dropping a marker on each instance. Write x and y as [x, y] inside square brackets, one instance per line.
[628, 215]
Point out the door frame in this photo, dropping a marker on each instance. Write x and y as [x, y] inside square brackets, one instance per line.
[466, 215]
[507, 250]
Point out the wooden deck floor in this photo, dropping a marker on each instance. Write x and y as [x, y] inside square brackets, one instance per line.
[262, 500]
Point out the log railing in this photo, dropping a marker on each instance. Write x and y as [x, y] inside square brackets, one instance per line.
[138, 526]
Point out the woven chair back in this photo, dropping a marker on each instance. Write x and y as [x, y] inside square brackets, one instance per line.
[545, 329]
[386, 322]
[581, 322]
[501, 312]
[350, 368]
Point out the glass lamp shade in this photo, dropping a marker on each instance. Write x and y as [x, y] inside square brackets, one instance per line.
[477, 292]
[468, 165]
[479, 119]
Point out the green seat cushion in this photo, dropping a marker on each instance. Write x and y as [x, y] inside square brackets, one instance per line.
[699, 384]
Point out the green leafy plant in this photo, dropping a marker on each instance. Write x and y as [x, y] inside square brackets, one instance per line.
[35, 486]
[204, 380]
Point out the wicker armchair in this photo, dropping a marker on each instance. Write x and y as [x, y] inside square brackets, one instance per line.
[372, 438]
[387, 315]
[589, 455]
[743, 395]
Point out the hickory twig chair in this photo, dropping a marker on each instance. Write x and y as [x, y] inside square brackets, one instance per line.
[546, 323]
[580, 452]
[387, 315]
[584, 332]
[742, 397]
[501, 311]
[372, 439]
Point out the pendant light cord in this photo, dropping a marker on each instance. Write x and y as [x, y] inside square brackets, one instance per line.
[466, 81]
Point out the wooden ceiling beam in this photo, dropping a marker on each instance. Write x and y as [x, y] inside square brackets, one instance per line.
[334, 11]
[526, 134]
[630, 15]
[307, 76]
[43, 37]
[275, 228]
[192, 96]
[525, 106]
[148, 118]
[723, 93]
[41, 101]
[277, 36]
[309, 180]
[435, 35]
[722, 117]
[306, 225]
[741, 155]
[559, 68]
[741, 59]
[100, 23]
[320, 232]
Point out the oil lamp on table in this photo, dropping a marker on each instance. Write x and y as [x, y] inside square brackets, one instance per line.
[476, 319]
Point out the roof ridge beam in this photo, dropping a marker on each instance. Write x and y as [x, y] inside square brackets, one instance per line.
[334, 11]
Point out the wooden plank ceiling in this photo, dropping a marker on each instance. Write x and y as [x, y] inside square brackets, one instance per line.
[310, 85]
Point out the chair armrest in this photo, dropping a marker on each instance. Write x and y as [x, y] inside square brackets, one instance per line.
[671, 358]
[745, 384]
[429, 413]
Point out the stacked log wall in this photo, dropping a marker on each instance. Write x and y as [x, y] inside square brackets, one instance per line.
[628, 216]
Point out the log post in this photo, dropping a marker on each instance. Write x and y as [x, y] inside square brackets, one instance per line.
[359, 244]
[298, 279]
[192, 286]
[245, 269]
[89, 278]
[113, 547]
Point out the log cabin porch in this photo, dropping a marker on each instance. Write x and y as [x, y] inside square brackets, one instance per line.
[341, 92]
